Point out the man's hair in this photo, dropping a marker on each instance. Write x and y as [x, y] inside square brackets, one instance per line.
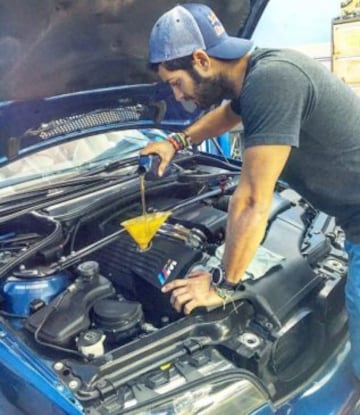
[185, 63]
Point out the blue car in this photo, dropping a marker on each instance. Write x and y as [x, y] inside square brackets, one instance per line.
[84, 326]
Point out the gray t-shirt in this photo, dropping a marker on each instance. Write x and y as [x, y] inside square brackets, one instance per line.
[289, 98]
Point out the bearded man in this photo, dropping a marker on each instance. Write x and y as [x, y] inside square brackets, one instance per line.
[300, 123]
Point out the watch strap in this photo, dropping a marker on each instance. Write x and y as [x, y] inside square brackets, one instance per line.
[229, 286]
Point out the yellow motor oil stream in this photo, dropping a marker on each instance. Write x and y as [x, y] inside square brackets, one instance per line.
[143, 228]
[142, 193]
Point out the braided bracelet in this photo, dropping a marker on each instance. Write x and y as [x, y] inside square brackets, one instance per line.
[227, 296]
[179, 141]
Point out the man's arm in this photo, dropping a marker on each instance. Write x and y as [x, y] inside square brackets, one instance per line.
[248, 215]
[250, 206]
[212, 124]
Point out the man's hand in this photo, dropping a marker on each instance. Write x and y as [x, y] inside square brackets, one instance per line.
[164, 149]
[193, 291]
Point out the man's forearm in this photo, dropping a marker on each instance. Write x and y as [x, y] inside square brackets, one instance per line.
[212, 124]
[245, 231]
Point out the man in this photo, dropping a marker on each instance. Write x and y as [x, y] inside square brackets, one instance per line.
[300, 122]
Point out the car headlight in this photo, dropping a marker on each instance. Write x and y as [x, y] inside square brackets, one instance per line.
[230, 397]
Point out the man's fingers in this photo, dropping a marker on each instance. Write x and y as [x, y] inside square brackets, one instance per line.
[190, 292]
[178, 300]
[173, 284]
[164, 149]
[180, 291]
[162, 166]
[190, 306]
[182, 299]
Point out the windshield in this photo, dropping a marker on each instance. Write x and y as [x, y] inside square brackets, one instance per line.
[75, 156]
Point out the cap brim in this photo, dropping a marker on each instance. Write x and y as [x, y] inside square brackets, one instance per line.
[230, 48]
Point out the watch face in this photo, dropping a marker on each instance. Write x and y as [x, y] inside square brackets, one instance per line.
[217, 276]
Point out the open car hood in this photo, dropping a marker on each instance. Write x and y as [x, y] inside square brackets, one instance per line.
[67, 60]
[51, 47]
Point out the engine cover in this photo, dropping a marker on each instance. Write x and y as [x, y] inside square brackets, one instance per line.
[142, 274]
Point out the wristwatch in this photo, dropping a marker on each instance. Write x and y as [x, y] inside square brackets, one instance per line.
[218, 279]
[217, 275]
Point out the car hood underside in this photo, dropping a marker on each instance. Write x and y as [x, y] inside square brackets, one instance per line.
[51, 47]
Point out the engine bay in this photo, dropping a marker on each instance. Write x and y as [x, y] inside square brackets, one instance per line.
[77, 290]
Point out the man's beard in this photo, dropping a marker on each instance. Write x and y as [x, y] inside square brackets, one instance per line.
[211, 91]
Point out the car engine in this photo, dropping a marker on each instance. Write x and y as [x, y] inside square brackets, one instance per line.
[77, 289]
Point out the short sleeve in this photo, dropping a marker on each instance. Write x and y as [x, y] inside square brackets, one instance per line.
[273, 104]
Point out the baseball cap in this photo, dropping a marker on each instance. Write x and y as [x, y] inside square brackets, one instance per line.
[185, 28]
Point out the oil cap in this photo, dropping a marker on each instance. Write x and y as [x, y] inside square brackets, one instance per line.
[89, 270]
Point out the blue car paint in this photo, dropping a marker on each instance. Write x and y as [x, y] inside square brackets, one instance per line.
[19, 293]
[330, 392]
[223, 146]
[29, 383]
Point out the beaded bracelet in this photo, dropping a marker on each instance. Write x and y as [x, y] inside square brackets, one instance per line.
[179, 141]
